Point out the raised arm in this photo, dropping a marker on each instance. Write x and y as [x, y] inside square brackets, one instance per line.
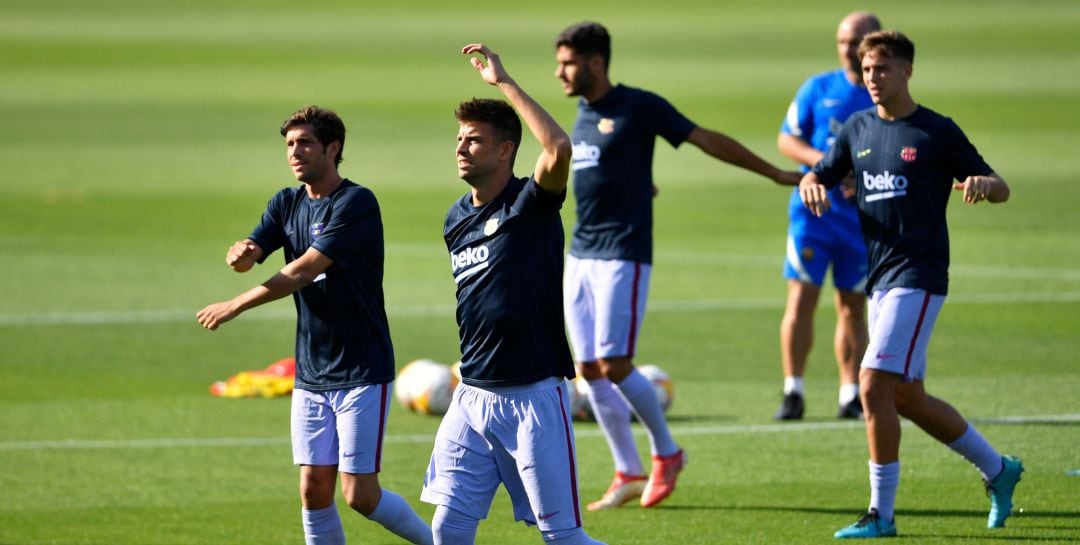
[729, 151]
[294, 276]
[553, 165]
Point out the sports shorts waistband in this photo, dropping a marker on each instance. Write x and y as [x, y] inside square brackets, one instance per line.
[550, 382]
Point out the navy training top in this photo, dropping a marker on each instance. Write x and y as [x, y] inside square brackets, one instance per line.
[904, 171]
[507, 258]
[614, 139]
[342, 334]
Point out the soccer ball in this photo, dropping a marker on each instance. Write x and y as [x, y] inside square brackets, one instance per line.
[579, 399]
[661, 382]
[665, 390]
[425, 386]
[580, 406]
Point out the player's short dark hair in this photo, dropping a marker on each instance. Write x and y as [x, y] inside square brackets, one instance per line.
[326, 125]
[497, 113]
[587, 38]
[889, 43]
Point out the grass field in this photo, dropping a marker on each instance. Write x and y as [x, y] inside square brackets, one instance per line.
[141, 140]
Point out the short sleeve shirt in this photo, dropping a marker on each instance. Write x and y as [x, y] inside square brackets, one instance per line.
[816, 115]
[904, 171]
[342, 333]
[614, 139]
[506, 257]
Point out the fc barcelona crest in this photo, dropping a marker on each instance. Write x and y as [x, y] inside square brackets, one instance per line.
[907, 153]
[606, 126]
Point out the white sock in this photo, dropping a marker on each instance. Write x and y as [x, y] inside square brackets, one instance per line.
[641, 396]
[322, 526]
[573, 536]
[848, 393]
[394, 514]
[884, 480]
[452, 527]
[973, 446]
[793, 385]
[613, 416]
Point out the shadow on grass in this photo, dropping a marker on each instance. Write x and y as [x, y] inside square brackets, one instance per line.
[989, 536]
[1052, 422]
[1072, 515]
[998, 537]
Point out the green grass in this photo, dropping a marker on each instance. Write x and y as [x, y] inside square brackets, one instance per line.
[141, 140]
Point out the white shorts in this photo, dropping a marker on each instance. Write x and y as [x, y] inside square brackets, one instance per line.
[520, 436]
[901, 320]
[604, 303]
[341, 427]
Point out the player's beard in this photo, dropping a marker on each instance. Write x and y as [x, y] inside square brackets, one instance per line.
[477, 174]
[583, 82]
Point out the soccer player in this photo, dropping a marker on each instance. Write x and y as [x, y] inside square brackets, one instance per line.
[906, 158]
[331, 233]
[509, 421]
[821, 105]
[607, 272]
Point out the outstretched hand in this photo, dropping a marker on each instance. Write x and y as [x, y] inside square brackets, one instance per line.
[216, 314]
[975, 188]
[814, 195]
[493, 72]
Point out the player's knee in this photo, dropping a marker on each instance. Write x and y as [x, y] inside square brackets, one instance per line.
[316, 488]
[591, 371]
[362, 495]
[851, 315]
[790, 320]
[450, 526]
[876, 388]
[616, 369]
[363, 502]
[910, 404]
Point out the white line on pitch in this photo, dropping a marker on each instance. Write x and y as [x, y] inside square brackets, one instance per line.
[427, 311]
[580, 433]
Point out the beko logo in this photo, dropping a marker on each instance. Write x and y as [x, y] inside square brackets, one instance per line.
[585, 156]
[473, 260]
[884, 186]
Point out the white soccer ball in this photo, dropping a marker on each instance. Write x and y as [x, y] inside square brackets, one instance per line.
[425, 386]
[660, 380]
[579, 399]
[581, 407]
[665, 389]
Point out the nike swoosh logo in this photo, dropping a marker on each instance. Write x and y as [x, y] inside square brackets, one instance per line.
[883, 356]
[830, 102]
[547, 516]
